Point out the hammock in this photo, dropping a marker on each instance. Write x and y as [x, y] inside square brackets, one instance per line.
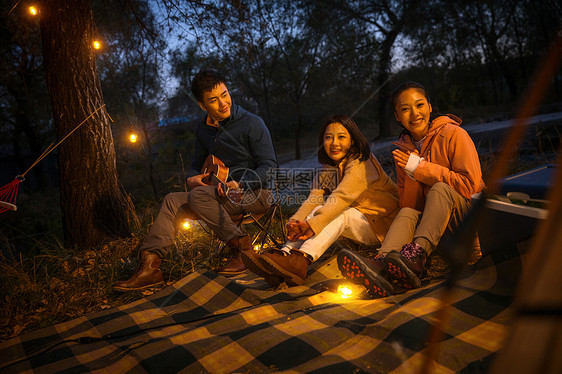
[8, 195]
[9, 192]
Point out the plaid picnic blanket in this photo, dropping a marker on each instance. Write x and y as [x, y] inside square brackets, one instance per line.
[207, 323]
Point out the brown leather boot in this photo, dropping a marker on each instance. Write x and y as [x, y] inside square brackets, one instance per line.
[252, 262]
[292, 267]
[147, 275]
[235, 265]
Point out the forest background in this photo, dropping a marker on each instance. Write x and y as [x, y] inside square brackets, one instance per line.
[293, 62]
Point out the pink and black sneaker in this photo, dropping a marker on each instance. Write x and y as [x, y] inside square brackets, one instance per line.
[365, 272]
[407, 267]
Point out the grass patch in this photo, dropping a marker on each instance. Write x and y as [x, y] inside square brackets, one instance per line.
[56, 284]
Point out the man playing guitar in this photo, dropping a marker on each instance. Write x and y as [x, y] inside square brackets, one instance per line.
[229, 137]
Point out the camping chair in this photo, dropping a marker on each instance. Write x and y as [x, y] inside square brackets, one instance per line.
[267, 219]
[264, 223]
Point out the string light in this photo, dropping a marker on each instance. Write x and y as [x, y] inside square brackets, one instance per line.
[186, 225]
[345, 291]
[256, 247]
[96, 44]
[33, 10]
[133, 137]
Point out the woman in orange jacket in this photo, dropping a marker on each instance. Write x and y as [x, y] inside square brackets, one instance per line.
[438, 170]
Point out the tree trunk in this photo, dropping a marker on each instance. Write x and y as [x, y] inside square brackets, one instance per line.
[385, 124]
[506, 70]
[92, 203]
[520, 51]
[151, 169]
[298, 142]
[488, 61]
[300, 122]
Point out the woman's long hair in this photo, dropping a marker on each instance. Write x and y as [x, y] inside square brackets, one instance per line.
[359, 146]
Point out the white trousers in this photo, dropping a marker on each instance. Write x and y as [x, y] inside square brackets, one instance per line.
[350, 224]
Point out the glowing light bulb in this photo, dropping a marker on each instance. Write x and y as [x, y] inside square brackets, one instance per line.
[344, 291]
[256, 247]
[133, 138]
[186, 225]
[33, 10]
[97, 44]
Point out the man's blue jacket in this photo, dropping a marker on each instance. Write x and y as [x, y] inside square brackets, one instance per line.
[243, 143]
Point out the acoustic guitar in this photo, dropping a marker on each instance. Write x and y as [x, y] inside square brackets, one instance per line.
[218, 173]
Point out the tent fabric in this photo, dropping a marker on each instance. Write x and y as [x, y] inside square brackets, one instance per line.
[206, 323]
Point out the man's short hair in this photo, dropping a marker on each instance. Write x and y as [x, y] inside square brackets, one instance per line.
[205, 80]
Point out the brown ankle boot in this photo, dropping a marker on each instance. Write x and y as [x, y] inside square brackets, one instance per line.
[235, 265]
[252, 262]
[292, 267]
[147, 275]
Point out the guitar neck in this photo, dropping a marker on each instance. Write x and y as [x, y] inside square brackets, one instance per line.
[216, 180]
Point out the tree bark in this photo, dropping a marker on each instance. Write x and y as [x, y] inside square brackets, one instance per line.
[92, 202]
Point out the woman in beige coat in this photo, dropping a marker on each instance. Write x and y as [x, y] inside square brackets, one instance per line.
[360, 203]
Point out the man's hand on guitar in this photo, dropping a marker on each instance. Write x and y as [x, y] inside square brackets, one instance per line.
[230, 185]
[197, 180]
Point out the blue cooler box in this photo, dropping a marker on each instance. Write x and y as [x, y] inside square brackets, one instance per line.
[535, 182]
[507, 221]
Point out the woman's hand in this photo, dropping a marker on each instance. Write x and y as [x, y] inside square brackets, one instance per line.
[401, 157]
[298, 230]
[306, 231]
[293, 230]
